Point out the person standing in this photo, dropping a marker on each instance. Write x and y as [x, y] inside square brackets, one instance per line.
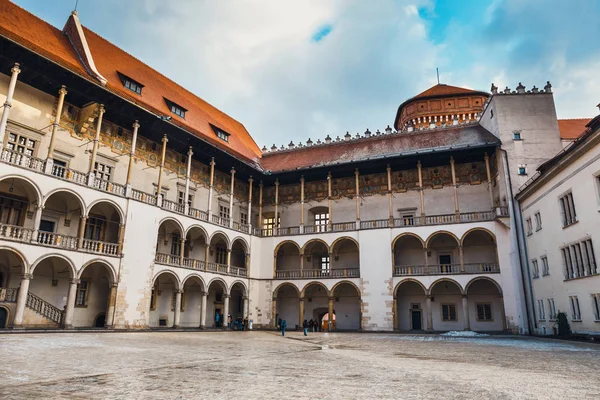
[305, 326]
[279, 323]
[310, 325]
[283, 326]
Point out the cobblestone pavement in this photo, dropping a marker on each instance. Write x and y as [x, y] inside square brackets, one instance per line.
[221, 365]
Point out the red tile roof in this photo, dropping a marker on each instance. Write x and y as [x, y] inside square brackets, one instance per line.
[572, 128]
[48, 41]
[444, 90]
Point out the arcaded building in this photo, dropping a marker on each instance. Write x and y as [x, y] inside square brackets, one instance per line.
[128, 202]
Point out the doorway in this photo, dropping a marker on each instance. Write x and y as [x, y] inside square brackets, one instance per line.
[445, 263]
[100, 321]
[415, 317]
[3, 317]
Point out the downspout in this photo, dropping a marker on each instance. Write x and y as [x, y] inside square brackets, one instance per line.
[519, 225]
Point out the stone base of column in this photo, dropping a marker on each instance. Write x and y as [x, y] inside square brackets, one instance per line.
[357, 224]
[70, 326]
[202, 327]
[48, 166]
[176, 326]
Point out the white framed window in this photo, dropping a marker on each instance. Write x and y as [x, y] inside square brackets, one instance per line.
[269, 225]
[529, 226]
[243, 218]
[567, 209]
[449, 312]
[551, 310]
[21, 144]
[590, 259]
[223, 211]
[321, 221]
[221, 255]
[103, 171]
[181, 195]
[535, 269]
[538, 221]
[325, 263]
[545, 266]
[541, 310]
[575, 310]
[83, 288]
[596, 306]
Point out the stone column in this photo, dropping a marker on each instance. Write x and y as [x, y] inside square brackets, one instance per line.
[121, 237]
[250, 180]
[395, 313]
[70, 307]
[182, 251]
[489, 180]
[225, 309]
[245, 311]
[210, 188]
[36, 222]
[301, 262]
[429, 314]
[274, 313]
[136, 126]
[91, 174]
[228, 261]
[276, 223]
[160, 170]
[50, 157]
[465, 308]
[455, 187]
[301, 311]
[82, 222]
[357, 189]
[177, 316]
[329, 203]
[503, 313]
[110, 310]
[206, 255]
[302, 204]
[15, 70]
[22, 300]
[461, 257]
[231, 198]
[330, 323]
[419, 169]
[203, 301]
[188, 171]
[389, 186]
[260, 205]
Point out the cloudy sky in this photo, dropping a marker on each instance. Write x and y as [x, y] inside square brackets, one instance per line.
[294, 69]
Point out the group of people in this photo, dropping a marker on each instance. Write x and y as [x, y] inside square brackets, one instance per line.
[311, 326]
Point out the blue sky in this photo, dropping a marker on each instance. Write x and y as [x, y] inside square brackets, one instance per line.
[294, 69]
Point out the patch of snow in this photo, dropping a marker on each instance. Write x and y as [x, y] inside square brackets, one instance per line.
[464, 334]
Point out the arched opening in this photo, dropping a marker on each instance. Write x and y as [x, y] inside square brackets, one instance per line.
[486, 305]
[3, 317]
[409, 256]
[446, 306]
[162, 301]
[316, 260]
[346, 259]
[346, 301]
[215, 307]
[103, 224]
[237, 302]
[328, 324]
[196, 242]
[443, 254]
[93, 294]
[316, 303]
[219, 247]
[238, 258]
[191, 302]
[287, 300]
[61, 220]
[18, 202]
[12, 267]
[287, 261]
[49, 287]
[168, 243]
[411, 310]
[479, 252]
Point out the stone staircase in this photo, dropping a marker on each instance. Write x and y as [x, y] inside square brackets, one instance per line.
[35, 303]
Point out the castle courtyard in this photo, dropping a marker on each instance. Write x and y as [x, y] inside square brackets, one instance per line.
[263, 365]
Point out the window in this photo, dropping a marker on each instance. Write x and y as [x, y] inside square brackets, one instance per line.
[12, 211]
[102, 171]
[596, 306]
[181, 195]
[176, 108]
[551, 310]
[522, 169]
[269, 225]
[579, 260]
[545, 267]
[59, 168]
[130, 84]
[541, 310]
[448, 312]
[83, 288]
[516, 135]
[153, 298]
[567, 209]
[224, 212]
[484, 312]
[538, 221]
[588, 251]
[221, 255]
[535, 269]
[94, 228]
[575, 310]
[529, 226]
[243, 218]
[408, 219]
[21, 144]
[325, 263]
[221, 134]
[174, 301]
[321, 221]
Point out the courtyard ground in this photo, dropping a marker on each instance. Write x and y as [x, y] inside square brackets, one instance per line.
[263, 365]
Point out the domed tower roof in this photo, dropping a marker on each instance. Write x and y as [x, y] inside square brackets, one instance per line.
[439, 104]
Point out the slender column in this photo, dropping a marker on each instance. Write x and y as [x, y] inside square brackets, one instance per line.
[421, 190]
[302, 204]
[389, 185]
[461, 256]
[36, 222]
[203, 300]
[329, 203]
[22, 300]
[210, 188]
[357, 189]
[426, 257]
[160, 170]
[95, 147]
[177, 316]
[395, 313]
[260, 205]
[206, 255]
[225, 309]
[121, 237]
[82, 222]
[274, 313]
[250, 204]
[228, 260]
[110, 310]
[70, 307]
[136, 126]
[188, 171]
[245, 310]
[15, 70]
[503, 314]
[181, 251]
[50, 157]
[301, 262]
[489, 179]
[231, 198]
[247, 263]
[455, 187]
[465, 308]
[276, 230]
[330, 323]
[429, 315]
[301, 312]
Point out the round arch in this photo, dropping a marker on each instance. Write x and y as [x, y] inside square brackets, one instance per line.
[464, 236]
[222, 234]
[338, 240]
[281, 244]
[314, 283]
[171, 219]
[196, 226]
[26, 267]
[109, 267]
[405, 234]
[245, 291]
[343, 283]
[434, 234]
[55, 255]
[191, 277]
[432, 286]
[243, 241]
[170, 273]
[112, 203]
[284, 284]
[407, 280]
[7, 310]
[303, 249]
[36, 189]
[72, 192]
[483, 278]
[221, 281]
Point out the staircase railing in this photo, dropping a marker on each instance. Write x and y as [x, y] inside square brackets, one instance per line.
[44, 308]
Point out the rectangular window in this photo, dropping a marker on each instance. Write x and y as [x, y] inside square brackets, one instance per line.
[529, 226]
[551, 309]
[181, 195]
[321, 222]
[588, 249]
[484, 312]
[222, 135]
[176, 245]
[522, 170]
[538, 221]
[516, 135]
[569, 273]
[221, 255]
[224, 212]
[448, 312]
[409, 219]
[541, 310]
[575, 310]
[325, 263]
[83, 288]
[133, 86]
[269, 225]
[243, 218]
[596, 306]
[21, 144]
[12, 211]
[567, 209]
[102, 171]
[545, 267]
[177, 110]
[535, 269]
[94, 228]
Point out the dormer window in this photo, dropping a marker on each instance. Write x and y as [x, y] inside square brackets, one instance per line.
[176, 109]
[221, 134]
[130, 84]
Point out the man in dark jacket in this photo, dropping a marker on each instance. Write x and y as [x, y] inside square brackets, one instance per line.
[305, 326]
